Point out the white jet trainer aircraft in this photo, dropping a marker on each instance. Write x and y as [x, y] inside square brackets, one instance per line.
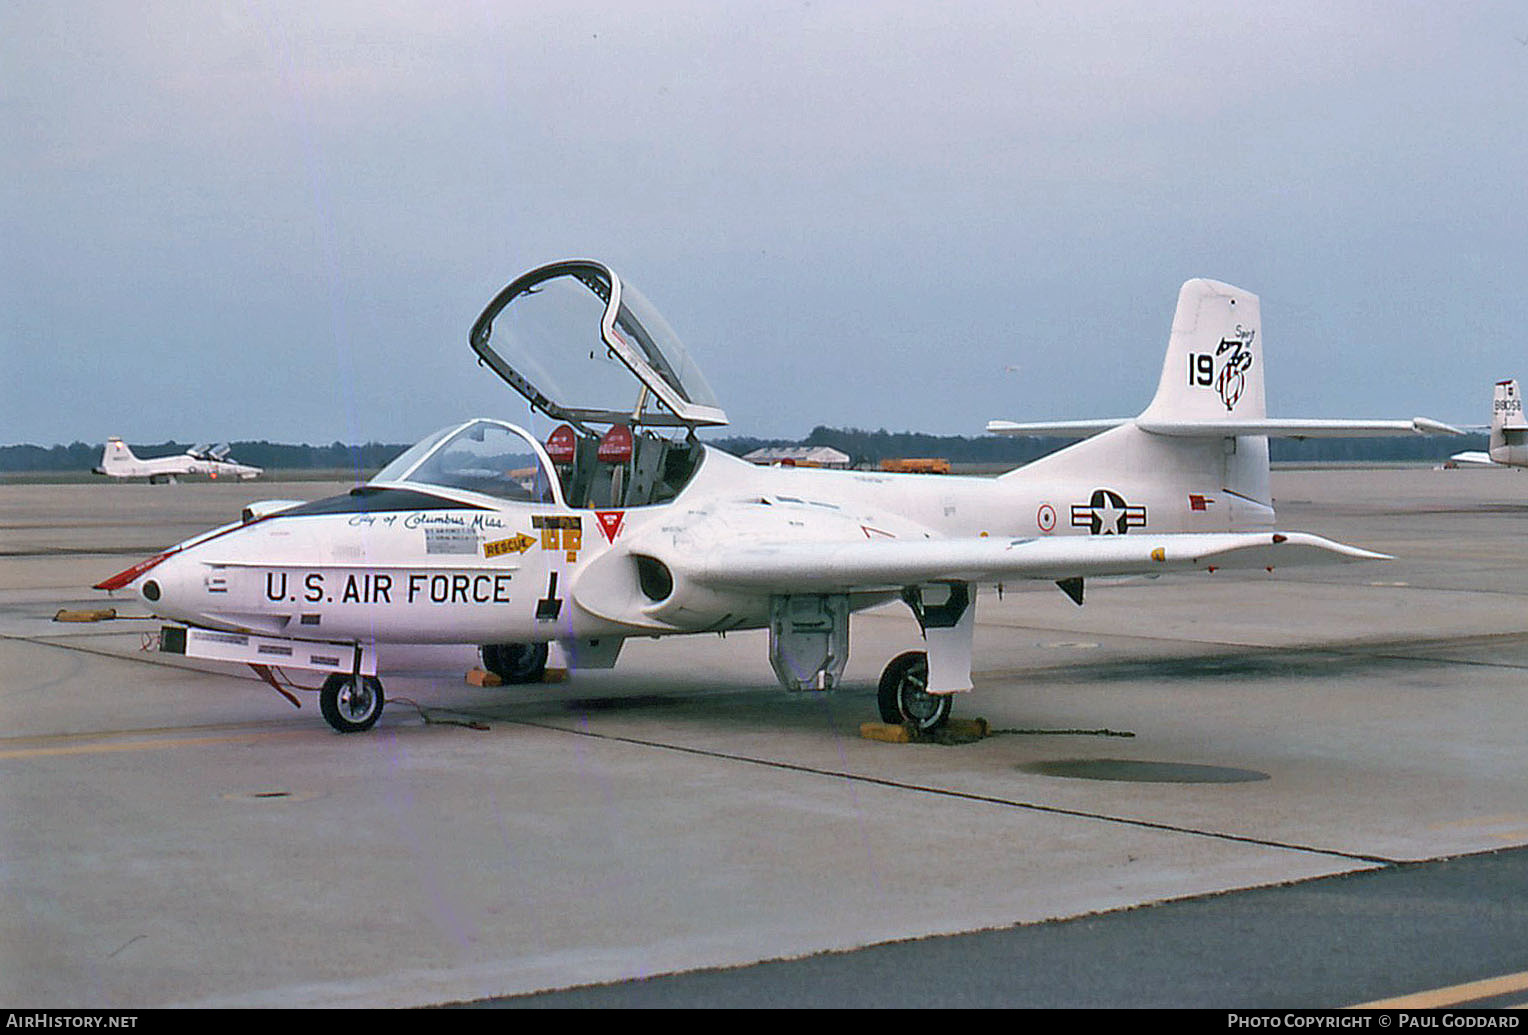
[1509, 431]
[622, 524]
[118, 461]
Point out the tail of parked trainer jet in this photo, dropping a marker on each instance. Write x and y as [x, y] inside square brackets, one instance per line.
[117, 459]
[1509, 431]
[1207, 427]
[1507, 407]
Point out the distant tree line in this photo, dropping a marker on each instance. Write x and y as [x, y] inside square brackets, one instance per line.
[1398, 449]
[864, 447]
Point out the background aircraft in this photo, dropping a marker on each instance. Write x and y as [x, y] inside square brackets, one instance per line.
[1509, 431]
[118, 461]
[623, 524]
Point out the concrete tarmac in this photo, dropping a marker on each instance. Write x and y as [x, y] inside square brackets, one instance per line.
[173, 833]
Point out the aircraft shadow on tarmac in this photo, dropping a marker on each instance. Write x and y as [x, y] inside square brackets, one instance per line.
[1250, 665]
[680, 701]
[688, 698]
[765, 707]
[1129, 770]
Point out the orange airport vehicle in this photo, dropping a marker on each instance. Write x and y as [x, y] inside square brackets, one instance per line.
[924, 465]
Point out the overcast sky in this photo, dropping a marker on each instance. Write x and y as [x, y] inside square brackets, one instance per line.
[269, 220]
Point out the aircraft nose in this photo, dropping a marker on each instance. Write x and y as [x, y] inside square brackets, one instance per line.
[160, 581]
[182, 583]
[167, 588]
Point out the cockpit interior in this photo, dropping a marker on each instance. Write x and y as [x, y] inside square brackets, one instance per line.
[621, 468]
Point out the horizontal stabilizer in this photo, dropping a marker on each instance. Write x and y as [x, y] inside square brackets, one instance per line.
[1058, 429]
[1474, 457]
[883, 564]
[1283, 427]
[1271, 427]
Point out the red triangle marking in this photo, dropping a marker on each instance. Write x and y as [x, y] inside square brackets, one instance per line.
[610, 522]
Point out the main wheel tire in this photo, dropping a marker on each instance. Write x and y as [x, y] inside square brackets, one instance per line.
[516, 662]
[903, 695]
[350, 708]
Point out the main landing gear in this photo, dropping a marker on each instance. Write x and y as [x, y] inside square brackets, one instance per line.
[809, 644]
[351, 704]
[904, 698]
[516, 663]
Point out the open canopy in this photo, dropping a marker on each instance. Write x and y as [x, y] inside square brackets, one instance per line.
[583, 347]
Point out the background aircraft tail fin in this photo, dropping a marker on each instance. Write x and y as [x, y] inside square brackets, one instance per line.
[1507, 406]
[1509, 431]
[117, 458]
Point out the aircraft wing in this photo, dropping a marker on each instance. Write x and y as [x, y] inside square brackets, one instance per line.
[888, 564]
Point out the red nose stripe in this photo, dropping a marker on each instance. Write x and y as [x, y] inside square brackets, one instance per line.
[122, 578]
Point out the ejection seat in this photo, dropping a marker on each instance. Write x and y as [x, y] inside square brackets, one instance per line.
[622, 468]
[612, 475]
[594, 474]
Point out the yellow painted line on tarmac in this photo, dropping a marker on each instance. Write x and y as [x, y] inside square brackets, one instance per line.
[1453, 995]
[1511, 827]
[102, 748]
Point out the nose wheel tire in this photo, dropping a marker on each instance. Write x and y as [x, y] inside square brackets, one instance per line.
[903, 696]
[348, 706]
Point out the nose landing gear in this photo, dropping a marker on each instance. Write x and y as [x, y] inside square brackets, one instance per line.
[351, 704]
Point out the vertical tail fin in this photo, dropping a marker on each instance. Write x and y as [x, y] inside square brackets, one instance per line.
[117, 459]
[1507, 406]
[1214, 364]
[1214, 372]
[1509, 431]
